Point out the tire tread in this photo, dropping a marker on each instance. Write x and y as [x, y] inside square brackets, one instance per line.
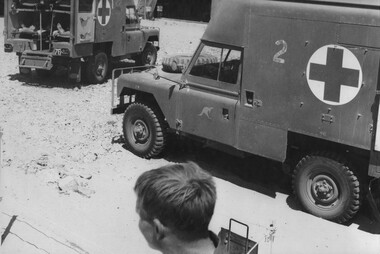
[350, 176]
[158, 121]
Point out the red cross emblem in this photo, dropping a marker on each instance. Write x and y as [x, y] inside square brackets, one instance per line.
[334, 75]
[104, 12]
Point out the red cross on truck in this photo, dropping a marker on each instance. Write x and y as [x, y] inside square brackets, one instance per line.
[104, 11]
[84, 36]
[294, 81]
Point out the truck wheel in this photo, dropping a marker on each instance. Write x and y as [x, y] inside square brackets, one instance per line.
[144, 130]
[148, 56]
[326, 187]
[97, 68]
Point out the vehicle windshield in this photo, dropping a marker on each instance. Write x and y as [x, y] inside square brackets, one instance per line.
[217, 63]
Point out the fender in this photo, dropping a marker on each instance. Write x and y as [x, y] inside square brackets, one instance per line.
[151, 34]
[164, 89]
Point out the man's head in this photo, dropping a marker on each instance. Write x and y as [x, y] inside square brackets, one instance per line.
[179, 198]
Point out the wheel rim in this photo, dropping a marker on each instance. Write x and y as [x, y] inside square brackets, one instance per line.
[140, 132]
[323, 191]
[100, 68]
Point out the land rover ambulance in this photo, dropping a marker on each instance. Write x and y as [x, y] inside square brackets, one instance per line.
[295, 81]
[85, 36]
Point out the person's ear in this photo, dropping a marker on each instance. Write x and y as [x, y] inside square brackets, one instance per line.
[159, 229]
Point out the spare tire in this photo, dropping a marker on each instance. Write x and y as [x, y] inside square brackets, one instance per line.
[178, 63]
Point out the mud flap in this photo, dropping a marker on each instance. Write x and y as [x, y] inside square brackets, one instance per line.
[373, 197]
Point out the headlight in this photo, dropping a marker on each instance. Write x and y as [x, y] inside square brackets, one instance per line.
[8, 48]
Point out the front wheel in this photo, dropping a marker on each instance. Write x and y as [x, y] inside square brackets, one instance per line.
[144, 130]
[326, 187]
[148, 56]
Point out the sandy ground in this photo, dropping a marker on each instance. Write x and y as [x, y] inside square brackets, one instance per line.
[65, 173]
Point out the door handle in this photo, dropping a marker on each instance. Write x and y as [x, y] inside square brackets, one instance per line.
[225, 113]
[84, 19]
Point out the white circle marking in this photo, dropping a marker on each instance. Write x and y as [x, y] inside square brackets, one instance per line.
[349, 62]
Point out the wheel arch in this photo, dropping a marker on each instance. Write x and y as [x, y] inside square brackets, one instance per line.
[152, 39]
[105, 47]
[142, 97]
[300, 145]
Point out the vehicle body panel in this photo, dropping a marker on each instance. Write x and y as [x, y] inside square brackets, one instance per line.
[283, 45]
[165, 91]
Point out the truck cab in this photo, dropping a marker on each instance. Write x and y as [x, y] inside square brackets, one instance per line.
[84, 36]
[295, 82]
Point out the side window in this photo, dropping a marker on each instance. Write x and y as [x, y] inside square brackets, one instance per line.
[131, 17]
[220, 64]
[85, 6]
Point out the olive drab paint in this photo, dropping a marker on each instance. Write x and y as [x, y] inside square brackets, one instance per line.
[296, 77]
[73, 31]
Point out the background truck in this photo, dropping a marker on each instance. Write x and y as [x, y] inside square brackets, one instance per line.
[295, 82]
[84, 35]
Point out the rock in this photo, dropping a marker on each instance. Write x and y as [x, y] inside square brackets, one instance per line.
[68, 184]
[43, 160]
[85, 176]
[90, 157]
[106, 145]
[85, 192]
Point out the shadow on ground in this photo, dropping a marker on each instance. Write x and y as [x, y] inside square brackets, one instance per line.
[254, 173]
[59, 78]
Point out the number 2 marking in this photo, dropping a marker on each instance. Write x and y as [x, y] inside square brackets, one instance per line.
[281, 52]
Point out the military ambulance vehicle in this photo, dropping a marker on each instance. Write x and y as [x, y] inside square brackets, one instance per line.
[296, 81]
[86, 34]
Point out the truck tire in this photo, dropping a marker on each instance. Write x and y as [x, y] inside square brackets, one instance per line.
[97, 68]
[148, 56]
[144, 130]
[326, 187]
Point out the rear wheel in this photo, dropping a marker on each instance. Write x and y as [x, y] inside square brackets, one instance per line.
[144, 130]
[326, 187]
[97, 68]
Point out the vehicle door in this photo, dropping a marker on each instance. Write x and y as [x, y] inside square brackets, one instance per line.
[85, 22]
[131, 31]
[210, 96]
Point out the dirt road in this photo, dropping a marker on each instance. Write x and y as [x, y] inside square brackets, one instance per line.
[65, 171]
